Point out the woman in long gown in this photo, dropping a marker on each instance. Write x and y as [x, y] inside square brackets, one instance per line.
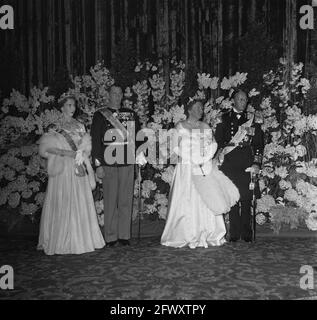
[200, 193]
[69, 222]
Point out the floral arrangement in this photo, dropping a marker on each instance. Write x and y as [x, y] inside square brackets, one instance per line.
[288, 180]
[288, 177]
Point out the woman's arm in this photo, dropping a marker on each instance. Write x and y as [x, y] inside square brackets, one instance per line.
[174, 146]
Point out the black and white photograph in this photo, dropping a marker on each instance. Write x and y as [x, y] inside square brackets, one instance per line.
[159, 151]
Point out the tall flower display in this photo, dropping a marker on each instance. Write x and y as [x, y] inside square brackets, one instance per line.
[288, 179]
[289, 176]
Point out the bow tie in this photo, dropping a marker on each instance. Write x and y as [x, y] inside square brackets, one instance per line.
[238, 114]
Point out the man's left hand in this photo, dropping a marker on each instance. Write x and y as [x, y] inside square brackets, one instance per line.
[255, 169]
[140, 159]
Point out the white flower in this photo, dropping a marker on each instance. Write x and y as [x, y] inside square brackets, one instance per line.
[226, 104]
[204, 80]
[301, 150]
[9, 174]
[291, 195]
[311, 221]
[101, 219]
[4, 192]
[14, 199]
[128, 93]
[276, 135]
[99, 206]
[262, 185]
[284, 185]
[214, 83]
[177, 113]
[167, 175]
[34, 185]
[28, 208]
[225, 84]
[250, 109]
[26, 194]
[311, 170]
[150, 208]
[265, 203]
[281, 171]
[253, 93]
[283, 61]
[40, 198]
[138, 67]
[219, 99]
[266, 103]
[268, 172]
[162, 212]
[260, 219]
[147, 187]
[305, 85]
[312, 122]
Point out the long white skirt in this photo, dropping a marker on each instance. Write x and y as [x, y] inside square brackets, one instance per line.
[190, 221]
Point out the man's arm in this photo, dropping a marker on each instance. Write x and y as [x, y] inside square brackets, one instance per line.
[137, 129]
[258, 145]
[97, 151]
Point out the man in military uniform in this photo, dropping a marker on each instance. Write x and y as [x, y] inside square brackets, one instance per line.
[113, 154]
[248, 154]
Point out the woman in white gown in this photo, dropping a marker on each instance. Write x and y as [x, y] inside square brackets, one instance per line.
[200, 193]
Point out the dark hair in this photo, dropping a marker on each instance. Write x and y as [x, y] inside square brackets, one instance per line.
[190, 105]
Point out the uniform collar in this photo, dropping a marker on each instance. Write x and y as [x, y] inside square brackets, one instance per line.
[237, 112]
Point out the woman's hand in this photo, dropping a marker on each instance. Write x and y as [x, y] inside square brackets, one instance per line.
[220, 156]
[100, 172]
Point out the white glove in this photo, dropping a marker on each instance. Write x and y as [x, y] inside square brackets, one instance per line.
[253, 170]
[79, 159]
[140, 159]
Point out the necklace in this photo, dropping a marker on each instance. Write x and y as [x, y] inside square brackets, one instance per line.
[193, 123]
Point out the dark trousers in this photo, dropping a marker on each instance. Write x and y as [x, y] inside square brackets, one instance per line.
[118, 185]
[240, 221]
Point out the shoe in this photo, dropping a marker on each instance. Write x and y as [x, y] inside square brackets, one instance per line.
[247, 239]
[124, 242]
[111, 244]
[233, 240]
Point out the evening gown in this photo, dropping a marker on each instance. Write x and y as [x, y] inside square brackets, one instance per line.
[200, 194]
[69, 222]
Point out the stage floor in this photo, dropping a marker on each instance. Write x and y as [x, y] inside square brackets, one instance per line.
[267, 269]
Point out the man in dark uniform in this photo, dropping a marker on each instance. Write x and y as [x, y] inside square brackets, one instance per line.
[248, 154]
[113, 134]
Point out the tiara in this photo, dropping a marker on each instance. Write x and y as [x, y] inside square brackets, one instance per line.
[65, 96]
